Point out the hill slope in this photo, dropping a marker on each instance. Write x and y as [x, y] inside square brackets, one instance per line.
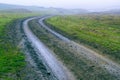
[42, 9]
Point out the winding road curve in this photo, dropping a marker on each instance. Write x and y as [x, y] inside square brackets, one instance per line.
[54, 66]
[52, 63]
[98, 59]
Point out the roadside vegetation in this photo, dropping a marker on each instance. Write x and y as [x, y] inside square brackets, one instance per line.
[82, 68]
[12, 60]
[100, 32]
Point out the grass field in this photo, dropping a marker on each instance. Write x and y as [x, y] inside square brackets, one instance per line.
[11, 59]
[100, 32]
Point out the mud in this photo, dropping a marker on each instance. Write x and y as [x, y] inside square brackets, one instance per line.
[54, 69]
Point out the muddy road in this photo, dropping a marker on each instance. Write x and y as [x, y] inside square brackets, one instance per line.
[112, 67]
[55, 68]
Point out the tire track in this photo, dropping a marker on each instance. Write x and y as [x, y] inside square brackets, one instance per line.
[56, 69]
[112, 67]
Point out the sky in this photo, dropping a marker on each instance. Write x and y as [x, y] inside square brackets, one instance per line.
[69, 4]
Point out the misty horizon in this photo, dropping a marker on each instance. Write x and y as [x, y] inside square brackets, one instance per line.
[93, 5]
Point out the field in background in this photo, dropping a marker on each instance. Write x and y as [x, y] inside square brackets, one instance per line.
[101, 32]
[11, 59]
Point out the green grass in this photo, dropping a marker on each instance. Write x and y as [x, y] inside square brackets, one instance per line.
[101, 32]
[11, 58]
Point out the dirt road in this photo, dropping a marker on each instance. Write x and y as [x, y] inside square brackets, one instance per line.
[55, 68]
[111, 66]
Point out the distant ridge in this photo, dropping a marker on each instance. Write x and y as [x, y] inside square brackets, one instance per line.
[16, 11]
[5, 7]
[113, 11]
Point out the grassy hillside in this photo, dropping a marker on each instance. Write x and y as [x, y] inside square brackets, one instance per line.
[11, 59]
[101, 32]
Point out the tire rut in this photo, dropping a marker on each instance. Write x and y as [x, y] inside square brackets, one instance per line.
[111, 66]
[54, 68]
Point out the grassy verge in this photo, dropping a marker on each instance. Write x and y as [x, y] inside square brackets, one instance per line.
[82, 69]
[101, 32]
[11, 59]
